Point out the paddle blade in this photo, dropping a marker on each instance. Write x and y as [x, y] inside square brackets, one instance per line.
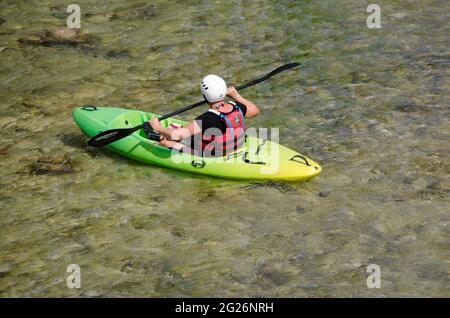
[109, 136]
[267, 76]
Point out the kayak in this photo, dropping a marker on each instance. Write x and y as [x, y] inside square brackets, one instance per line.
[257, 159]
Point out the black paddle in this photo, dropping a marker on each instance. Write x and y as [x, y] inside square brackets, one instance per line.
[109, 136]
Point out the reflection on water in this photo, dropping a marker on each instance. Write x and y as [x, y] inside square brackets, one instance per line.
[370, 105]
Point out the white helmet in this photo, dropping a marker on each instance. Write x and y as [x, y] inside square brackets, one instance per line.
[213, 88]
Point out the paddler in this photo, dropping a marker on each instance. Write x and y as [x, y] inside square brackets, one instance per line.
[217, 132]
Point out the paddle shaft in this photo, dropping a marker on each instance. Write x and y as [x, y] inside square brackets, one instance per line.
[106, 137]
[251, 83]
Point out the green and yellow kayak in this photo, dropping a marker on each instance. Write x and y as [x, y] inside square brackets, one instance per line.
[258, 159]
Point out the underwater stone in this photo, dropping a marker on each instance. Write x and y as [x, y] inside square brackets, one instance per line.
[408, 106]
[64, 36]
[5, 150]
[158, 198]
[6, 268]
[118, 54]
[302, 210]
[52, 165]
[200, 20]
[325, 193]
[147, 222]
[58, 11]
[178, 231]
[147, 12]
[273, 272]
[277, 185]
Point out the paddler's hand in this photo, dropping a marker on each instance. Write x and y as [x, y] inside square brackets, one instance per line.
[232, 92]
[156, 125]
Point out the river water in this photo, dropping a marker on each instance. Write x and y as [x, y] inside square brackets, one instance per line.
[370, 105]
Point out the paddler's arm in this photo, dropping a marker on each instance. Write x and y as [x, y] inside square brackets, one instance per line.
[252, 109]
[175, 134]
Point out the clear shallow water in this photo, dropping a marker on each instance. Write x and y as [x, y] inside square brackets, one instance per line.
[371, 106]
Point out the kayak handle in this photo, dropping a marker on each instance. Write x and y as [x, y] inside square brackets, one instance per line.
[198, 164]
[301, 157]
[250, 161]
[89, 108]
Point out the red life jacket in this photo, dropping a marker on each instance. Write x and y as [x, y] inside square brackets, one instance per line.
[233, 138]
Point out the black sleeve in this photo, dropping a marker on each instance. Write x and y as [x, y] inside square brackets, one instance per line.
[242, 107]
[210, 120]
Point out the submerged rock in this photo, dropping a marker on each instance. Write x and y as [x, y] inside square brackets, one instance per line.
[145, 222]
[326, 192]
[59, 11]
[5, 150]
[408, 105]
[273, 272]
[64, 37]
[6, 268]
[52, 165]
[283, 187]
[74, 38]
[434, 190]
[117, 54]
[357, 77]
[302, 210]
[431, 271]
[149, 11]
[201, 20]
[178, 231]
[139, 11]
